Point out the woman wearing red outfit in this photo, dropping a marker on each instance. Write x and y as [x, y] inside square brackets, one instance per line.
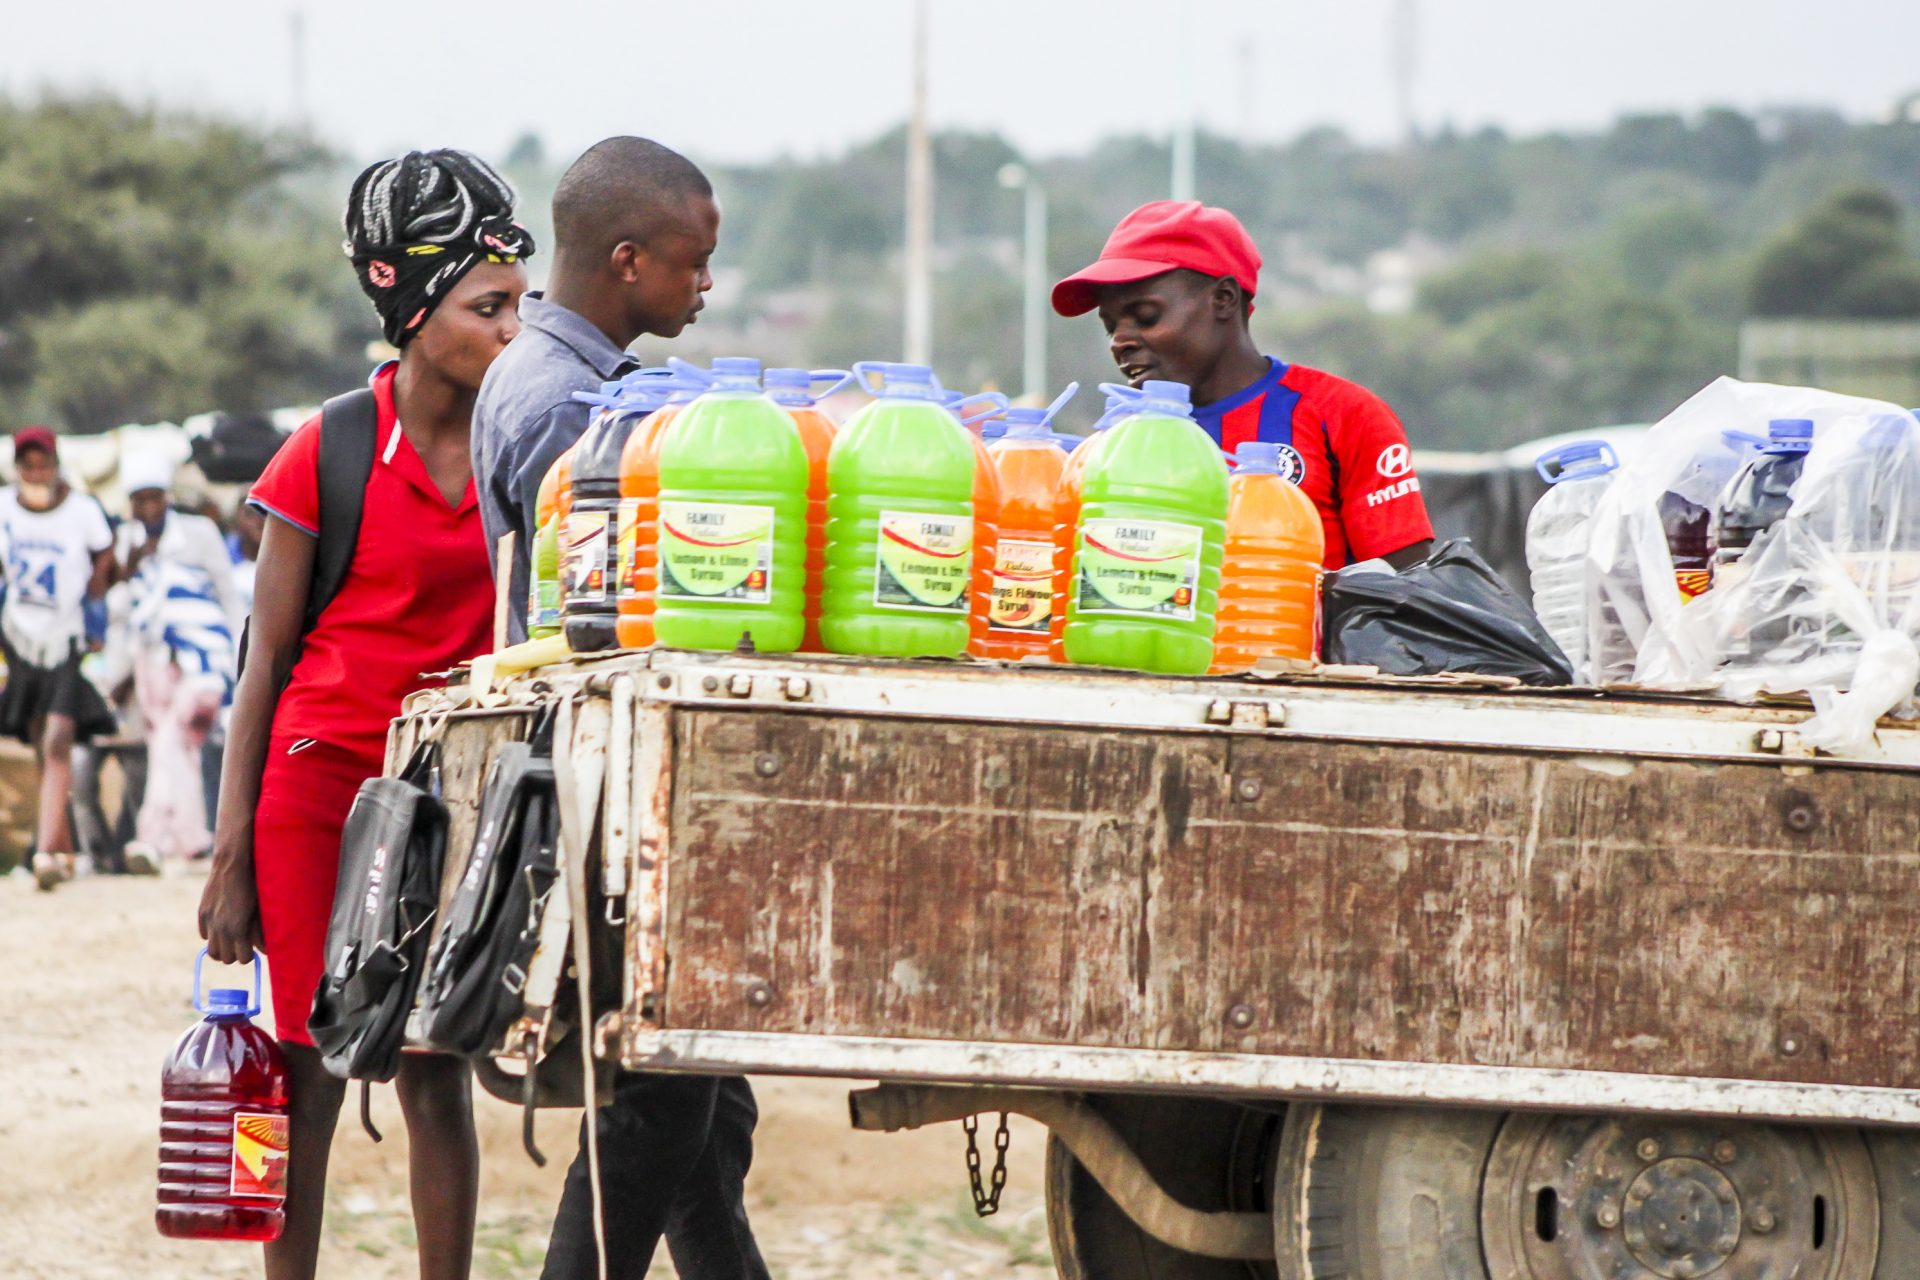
[433, 241]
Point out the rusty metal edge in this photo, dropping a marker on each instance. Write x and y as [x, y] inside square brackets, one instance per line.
[1252, 1075]
[652, 793]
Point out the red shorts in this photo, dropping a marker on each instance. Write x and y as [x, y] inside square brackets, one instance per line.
[305, 792]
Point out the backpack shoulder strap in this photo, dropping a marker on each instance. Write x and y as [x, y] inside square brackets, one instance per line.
[349, 431]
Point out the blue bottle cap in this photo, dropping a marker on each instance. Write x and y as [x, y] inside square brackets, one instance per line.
[1790, 435]
[1581, 460]
[1026, 424]
[736, 373]
[1166, 397]
[891, 380]
[224, 1003]
[1257, 458]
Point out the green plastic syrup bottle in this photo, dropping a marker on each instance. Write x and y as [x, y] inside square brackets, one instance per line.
[1149, 541]
[899, 522]
[733, 521]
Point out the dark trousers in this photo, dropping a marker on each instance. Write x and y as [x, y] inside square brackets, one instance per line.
[674, 1153]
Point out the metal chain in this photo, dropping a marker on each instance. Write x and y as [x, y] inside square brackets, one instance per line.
[986, 1200]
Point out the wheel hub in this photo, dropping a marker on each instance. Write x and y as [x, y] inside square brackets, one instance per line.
[1682, 1218]
[1595, 1198]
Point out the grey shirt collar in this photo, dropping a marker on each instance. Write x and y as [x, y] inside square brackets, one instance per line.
[574, 331]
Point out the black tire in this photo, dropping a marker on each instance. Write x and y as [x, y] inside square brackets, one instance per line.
[1395, 1194]
[1380, 1194]
[1896, 1167]
[1207, 1154]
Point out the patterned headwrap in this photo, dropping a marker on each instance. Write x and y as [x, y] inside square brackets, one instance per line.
[417, 224]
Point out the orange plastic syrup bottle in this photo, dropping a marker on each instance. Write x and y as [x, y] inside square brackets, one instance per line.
[1028, 461]
[636, 537]
[986, 510]
[792, 390]
[1270, 577]
[1066, 511]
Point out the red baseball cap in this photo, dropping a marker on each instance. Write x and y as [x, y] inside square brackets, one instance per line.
[34, 438]
[1160, 237]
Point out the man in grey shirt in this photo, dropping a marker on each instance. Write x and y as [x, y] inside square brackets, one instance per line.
[635, 225]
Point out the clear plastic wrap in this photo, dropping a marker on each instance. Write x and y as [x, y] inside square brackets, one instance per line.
[1826, 602]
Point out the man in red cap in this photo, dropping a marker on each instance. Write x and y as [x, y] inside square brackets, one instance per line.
[1174, 287]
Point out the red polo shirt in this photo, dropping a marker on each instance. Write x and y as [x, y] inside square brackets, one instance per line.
[417, 598]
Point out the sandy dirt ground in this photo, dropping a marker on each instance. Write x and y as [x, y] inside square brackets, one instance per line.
[96, 989]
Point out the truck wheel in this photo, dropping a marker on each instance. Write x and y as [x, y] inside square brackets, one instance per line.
[1427, 1194]
[1207, 1154]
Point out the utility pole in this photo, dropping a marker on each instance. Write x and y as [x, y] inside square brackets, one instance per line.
[297, 46]
[919, 260]
[1183, 133]
[1033, 337]
[1183, 149]
[1405, 43]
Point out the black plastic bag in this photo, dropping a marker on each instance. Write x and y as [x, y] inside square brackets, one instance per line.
[1450, 612]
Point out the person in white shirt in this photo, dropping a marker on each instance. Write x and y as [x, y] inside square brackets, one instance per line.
[185, 626]
[56, 547]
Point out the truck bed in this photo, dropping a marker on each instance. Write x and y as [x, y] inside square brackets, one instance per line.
[1388, 890]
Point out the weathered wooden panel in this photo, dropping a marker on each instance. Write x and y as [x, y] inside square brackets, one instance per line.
[1286, 896]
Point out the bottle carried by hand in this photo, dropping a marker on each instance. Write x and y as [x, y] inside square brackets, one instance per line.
[224, 1129]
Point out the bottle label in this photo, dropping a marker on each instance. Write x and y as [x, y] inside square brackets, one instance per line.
[259, 1155]
[1138, 567]
[716, 551]
[923, 561]
[1693, 583]
[1022, 598]
[543, 602]
[584, 543]
[626, 545]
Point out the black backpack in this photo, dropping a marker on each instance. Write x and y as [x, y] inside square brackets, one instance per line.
[349, 427]
[391, 853]
[471, 994]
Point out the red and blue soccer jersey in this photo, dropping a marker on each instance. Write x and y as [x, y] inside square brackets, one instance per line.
[1344, 448]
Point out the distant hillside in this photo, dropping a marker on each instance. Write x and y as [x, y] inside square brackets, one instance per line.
[1492, 288]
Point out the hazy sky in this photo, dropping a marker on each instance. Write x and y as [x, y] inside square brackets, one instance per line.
[747, 79]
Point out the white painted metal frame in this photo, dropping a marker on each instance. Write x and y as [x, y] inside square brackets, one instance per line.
[1404, 712]
[1259, 1075]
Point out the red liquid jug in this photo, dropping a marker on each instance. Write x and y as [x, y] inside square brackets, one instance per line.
[223, 1124]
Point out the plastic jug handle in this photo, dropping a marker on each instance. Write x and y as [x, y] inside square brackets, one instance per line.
[841, 379]
[1059, 402]
[994, 403]
[1121, 391]
[200, 1004]
[595, 398]
[690, 372]
[867, 374]
[1744, 437]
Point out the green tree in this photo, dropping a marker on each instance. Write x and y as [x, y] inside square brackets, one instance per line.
[159, 265]
[1847, 258]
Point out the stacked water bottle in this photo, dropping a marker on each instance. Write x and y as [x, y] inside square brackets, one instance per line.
[722, 509]
[1709, 544]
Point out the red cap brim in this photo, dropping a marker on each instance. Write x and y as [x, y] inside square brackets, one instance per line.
[1079, 293]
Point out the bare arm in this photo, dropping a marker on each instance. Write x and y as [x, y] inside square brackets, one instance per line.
[229, 908]
[102, 574]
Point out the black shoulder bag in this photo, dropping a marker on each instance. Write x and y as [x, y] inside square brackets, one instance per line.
[471, 994]
[391, 853]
